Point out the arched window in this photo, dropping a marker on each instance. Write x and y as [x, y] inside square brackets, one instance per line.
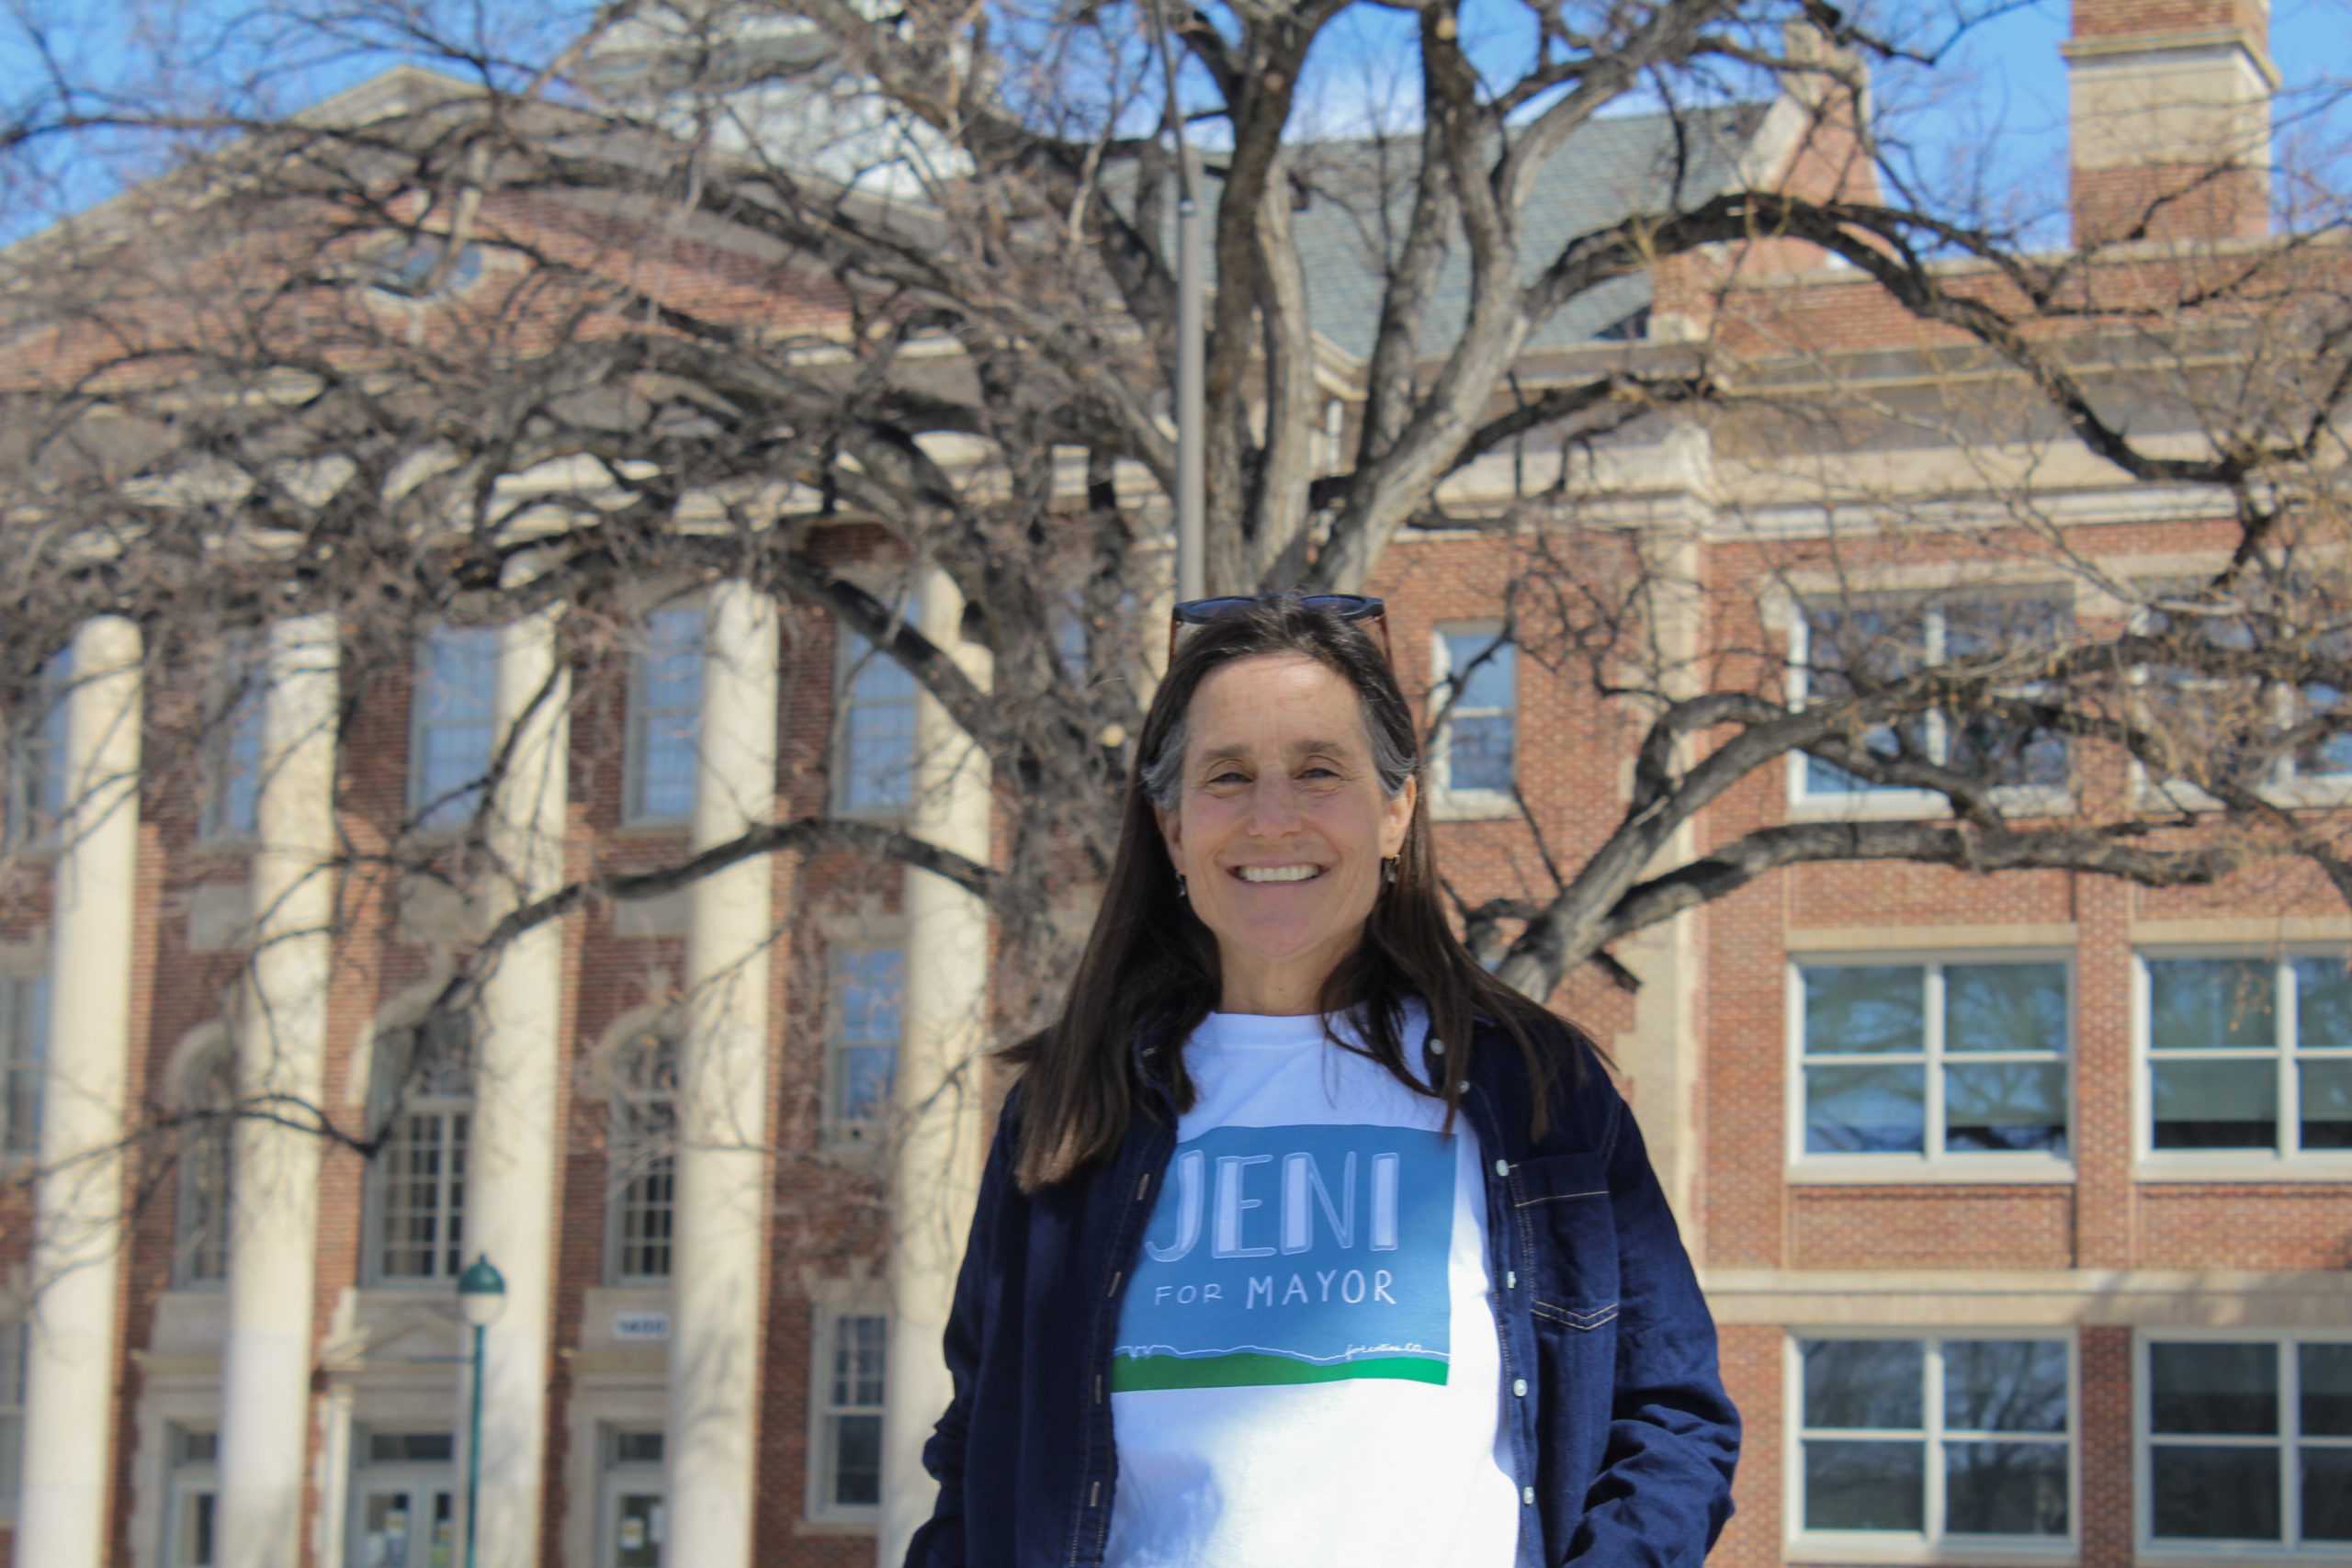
[200, 1224]
[641, 1144]
[421, 1097]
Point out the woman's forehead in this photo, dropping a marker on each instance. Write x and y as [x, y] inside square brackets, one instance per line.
[1275, 703]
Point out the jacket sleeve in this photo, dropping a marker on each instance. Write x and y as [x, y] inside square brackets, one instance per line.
[941, 1542]
[1664, 1490]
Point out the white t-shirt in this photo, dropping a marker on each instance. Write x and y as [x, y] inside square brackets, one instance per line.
[1305, 1370]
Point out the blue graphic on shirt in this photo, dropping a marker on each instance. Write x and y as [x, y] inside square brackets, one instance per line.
[1293, 1255]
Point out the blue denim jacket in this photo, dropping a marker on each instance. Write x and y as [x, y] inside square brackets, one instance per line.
[1624, 1438]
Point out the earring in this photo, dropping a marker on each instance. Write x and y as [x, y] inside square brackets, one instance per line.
[1388, 871]
[1181, 891]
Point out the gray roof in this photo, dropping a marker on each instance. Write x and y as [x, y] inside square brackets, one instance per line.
[1359, 195]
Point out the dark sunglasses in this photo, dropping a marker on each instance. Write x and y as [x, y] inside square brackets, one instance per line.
[1347, 606]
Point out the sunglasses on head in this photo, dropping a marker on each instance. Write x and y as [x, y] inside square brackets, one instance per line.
[1346, 607]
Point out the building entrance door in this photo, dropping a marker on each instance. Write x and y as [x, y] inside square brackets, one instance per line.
[405, 1522]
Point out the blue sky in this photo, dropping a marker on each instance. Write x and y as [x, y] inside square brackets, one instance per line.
[1991, 117]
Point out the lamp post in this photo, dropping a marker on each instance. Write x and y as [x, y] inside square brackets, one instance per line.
[481, 1295]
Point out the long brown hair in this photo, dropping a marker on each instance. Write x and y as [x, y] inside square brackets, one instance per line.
[1151, 964]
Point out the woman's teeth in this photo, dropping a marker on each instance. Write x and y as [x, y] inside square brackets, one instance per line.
[1279, 873]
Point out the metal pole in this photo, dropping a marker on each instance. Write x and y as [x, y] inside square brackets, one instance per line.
[473, 1448]
[1192, 427]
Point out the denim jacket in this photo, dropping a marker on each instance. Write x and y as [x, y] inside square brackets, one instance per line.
[1621, 1435]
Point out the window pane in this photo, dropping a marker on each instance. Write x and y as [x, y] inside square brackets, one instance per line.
[456, 692]
[1865, 1109]
[2208, 1494]
[2326, 1091]
[1991, 1106]
[2327, 1493]
[2197, 1004]
[1852, 1485]
[857, 1460]
[2322, 1002]
[2215, 1105]
[2004, 1488]
[2332, 755]
[866, 1074]
[2005, 1385]
[1852, 1008]
[667, 690]
[2005, 1006]
[1478, 753]
[1989, 745]
[881, 747]
[1855, 646]
[2215, 1389]
[2325, 1391]
[1495, 683]
[1865, 1383]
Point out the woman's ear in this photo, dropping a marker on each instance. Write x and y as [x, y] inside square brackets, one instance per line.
[1171, 829]
[1396, 816]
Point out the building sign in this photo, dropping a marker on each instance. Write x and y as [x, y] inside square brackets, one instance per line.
[636, 1327]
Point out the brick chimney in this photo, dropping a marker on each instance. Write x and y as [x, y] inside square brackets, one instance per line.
[2170, 118]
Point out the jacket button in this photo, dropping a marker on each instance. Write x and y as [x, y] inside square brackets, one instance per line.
[1502, 1168]
[1510, 1279]
[1527, 1495]
[1437, 1046]
[1517, 1388]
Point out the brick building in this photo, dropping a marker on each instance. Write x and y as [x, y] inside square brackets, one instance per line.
[2020, 1198]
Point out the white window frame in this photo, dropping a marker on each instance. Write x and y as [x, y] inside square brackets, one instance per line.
[231, 746]
[2218, 1553]
[1805, 801]
[651, 727]
[16, 1352]
[1932, 1546]
[201, 1219]
[439, 806]
[33, 761]
[2285, 1155]
[839, 1131]
[1934, 1163]
[186, 1480]
[825, 1341]
[451, 1114]
[853, 655]
[616, 1477]
[425, 1476]
[1444, 799]
[630, 1104]
[2285, 786]
[24, 1054]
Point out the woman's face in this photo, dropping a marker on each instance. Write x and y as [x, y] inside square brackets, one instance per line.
[1280, 826]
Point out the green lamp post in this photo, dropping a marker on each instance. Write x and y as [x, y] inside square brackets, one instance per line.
[481, 1295]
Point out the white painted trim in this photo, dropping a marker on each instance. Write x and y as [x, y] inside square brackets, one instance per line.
[1897, 1547]
[829, 1303]
[597, 1403]
[1933, 1167]
[2224, 1553]
[2276, 1164]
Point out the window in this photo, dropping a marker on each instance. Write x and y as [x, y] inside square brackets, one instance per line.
[32, 771]
[16, 1347]
[666, 717]
[403, 1500]
[853, 1350]
[424, 1082]
[231, 749]
[865, 993]
[1471, 763]
[877, 744]
[2249, 1055]
[1968, 1442]
[632, 1520]
[1935, 1061]
[191, 1510]
[201, 1251]
[2246, 1443]
[2216, 719]
[1853, 644]
[453, 724]
[406, 269]
[641, 1146]
[24, 1054]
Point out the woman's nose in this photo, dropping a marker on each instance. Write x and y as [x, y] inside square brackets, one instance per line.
[1272, 803]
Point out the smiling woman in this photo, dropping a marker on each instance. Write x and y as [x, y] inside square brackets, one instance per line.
[1337, 1249]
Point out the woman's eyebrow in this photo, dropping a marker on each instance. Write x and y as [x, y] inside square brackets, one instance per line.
[1240, 751]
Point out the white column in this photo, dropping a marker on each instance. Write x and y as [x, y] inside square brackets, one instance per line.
[936, 1147]
[281, 1055]
[722, 1102]
[511, 1144]
[77, 1204]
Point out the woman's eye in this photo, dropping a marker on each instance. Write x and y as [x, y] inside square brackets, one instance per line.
[1220, 778]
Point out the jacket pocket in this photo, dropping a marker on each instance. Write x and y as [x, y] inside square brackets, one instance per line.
[1568, 1234]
